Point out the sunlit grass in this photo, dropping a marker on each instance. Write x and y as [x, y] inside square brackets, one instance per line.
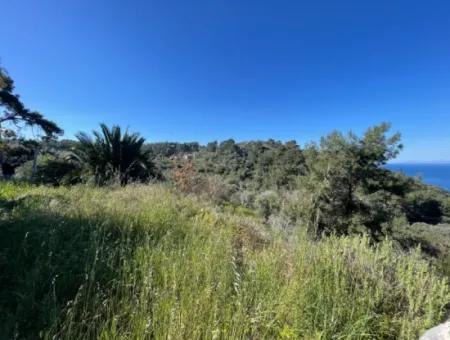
[146, 262]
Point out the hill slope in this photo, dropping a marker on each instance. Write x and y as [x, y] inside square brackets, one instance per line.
[148, 262]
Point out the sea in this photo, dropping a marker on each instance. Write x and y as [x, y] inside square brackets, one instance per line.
[437, 174]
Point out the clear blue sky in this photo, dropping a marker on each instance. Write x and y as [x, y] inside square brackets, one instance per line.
[205, 70]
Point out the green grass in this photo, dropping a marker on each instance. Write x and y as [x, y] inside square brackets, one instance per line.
[146, 262]
[10, 190]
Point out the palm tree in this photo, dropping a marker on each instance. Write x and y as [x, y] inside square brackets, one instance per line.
[111, 155]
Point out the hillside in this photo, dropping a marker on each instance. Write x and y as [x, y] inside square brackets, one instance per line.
[147, 261]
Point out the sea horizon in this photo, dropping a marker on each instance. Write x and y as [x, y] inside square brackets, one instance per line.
[419, 162]
[433, 173]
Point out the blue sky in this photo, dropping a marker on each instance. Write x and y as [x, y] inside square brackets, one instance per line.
[206, 70]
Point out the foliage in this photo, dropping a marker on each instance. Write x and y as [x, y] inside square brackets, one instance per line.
[52, 170]
[15, 111]
[433, 240]
[168, 149]
[426, 204]
[13, 150]
[112, 155]
[339, 186]
[185, 178]
[254, 165]
[346, 182]
[212, 187]
[144, 262]
[267, 203]
[237, 261]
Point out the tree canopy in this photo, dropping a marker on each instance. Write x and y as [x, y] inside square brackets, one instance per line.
[15, 111]
[347, 184]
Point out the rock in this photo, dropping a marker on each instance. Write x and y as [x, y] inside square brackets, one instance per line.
[440, 332]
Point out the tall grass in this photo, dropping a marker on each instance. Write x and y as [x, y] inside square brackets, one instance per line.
[146, 262]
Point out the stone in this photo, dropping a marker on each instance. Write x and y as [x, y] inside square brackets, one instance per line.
[440, 332]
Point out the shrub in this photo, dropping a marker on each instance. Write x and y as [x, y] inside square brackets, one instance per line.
[211, 187]
[185, 178]
[267, 203]
[422, 206]
[50, 170]
[245, 198]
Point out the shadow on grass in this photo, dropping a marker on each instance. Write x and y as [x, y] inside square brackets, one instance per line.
[45, 258]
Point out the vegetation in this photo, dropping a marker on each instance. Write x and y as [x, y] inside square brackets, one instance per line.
[108, 237]
[113, 156]
[253, 165]
[15, 111]
[146, 262]
[13, 117]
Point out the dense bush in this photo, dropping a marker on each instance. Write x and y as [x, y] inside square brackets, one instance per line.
[50, 170]
[425, 205]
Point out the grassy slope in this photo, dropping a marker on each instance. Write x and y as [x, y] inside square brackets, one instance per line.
[434, 239]
[146, 262]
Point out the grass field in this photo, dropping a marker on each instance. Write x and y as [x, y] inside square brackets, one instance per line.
[147, 262]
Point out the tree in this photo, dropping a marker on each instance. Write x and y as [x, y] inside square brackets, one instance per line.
[254, 165]
[348, 186]
[16, 151]
[15, 111]
[112, 155]
[212, 146]
[15, 114]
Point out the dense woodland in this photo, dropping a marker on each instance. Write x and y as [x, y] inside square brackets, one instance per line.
[336, 188]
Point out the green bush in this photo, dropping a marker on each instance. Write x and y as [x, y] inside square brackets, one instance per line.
[267, 203]
[50, 170]
[424, 205]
